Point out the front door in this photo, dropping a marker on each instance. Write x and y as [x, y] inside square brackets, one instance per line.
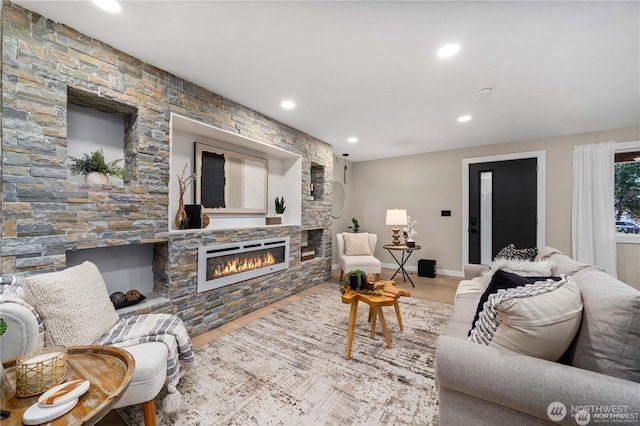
[502, 207]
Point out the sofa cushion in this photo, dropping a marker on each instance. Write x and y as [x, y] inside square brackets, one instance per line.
[73, 303]
[539, 319]
[608, 341]
[511, 252]
[525, 268]
[503, 280]
[356, 244]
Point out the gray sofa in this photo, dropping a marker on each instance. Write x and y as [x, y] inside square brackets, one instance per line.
[599, 374]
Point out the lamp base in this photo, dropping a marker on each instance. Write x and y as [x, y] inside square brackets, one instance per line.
[396, 235]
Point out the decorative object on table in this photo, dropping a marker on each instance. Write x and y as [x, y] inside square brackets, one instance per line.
[280, 206]
[181, 221]
[396, 218]
[132, 295]
[40, 370]
[117, 298]
[64, 393]
[95, 168]
[37, 414]
[355, 226]
[358, 281]
[410, 232]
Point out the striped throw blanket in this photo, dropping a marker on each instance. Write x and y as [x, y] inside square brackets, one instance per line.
[164, 328]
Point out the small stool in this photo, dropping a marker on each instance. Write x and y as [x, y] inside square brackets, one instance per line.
[389, 296]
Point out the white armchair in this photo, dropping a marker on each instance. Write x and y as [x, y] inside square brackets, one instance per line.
[355, 251]
[72, 307]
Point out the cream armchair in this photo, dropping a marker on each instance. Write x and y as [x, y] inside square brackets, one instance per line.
[71, 308]
[355, 251]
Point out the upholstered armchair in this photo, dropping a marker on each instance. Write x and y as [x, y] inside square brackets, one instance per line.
[356, 251]
[72, 308]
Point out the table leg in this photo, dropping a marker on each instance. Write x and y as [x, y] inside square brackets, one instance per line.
[373, 313]
[397, 308]
[352, 324]
[404, 271]
[383, 323]
[398, 262]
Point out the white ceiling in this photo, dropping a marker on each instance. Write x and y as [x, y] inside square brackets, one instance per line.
[370, 69]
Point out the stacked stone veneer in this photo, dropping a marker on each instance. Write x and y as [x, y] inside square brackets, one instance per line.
[45, 66]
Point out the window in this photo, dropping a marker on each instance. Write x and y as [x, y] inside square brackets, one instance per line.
[627, 192]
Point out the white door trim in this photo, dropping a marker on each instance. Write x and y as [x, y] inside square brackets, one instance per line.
[541, 156]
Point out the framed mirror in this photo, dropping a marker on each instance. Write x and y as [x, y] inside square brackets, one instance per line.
[337, 206]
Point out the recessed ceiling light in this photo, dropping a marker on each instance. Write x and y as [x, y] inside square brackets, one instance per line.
[109, 5]
[448, 50]
[352, 139]
[464, 118]
[288, 104]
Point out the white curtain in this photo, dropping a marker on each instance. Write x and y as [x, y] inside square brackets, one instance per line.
[593, 217]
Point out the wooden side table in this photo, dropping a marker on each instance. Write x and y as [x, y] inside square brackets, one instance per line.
[406, 253]
[109, 369]
[389, 297]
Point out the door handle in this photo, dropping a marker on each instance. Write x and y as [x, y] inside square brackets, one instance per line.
[473, 231]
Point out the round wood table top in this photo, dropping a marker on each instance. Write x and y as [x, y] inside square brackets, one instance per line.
[109, 369]
[401, 247]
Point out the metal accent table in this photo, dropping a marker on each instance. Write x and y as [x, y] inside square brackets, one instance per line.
[406, 253]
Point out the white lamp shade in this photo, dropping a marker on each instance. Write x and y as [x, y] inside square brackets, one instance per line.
[396, 217]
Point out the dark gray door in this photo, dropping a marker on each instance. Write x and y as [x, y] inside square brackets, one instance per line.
[502, 207]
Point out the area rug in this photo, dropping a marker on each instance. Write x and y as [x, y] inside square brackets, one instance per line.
[289, 368]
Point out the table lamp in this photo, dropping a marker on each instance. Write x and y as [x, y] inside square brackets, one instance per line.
[396, 218]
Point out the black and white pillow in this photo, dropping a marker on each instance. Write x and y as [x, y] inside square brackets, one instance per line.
[502, 280]
[539, 319]
[511, 252]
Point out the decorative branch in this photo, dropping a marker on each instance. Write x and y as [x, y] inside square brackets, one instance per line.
[184, 182]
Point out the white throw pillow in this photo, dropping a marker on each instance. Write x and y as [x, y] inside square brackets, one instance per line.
[539, 319]
[524, 268]
[74, 304]
[356, 244]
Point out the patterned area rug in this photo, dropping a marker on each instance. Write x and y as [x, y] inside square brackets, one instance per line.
[289, 368]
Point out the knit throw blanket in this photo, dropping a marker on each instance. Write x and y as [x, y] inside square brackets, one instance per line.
[164, 328]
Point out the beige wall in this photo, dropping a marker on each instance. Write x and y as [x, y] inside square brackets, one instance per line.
[428, 183]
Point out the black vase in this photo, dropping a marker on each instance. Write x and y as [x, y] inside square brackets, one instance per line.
[353, 282]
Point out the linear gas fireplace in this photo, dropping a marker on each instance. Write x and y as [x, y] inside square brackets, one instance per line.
[224, 264]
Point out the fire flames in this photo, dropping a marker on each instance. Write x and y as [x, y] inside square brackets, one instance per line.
[237, 265]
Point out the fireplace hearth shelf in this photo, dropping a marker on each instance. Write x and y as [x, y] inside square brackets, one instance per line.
[153, 303]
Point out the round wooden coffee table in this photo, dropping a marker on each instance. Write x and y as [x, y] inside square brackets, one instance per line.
[109, 369]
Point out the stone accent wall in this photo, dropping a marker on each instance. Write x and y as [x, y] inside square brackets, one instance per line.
[47, 65]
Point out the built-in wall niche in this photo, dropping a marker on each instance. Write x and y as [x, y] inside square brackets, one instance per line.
[311, 244]
[123, 268]
[317, 181]
[95, 123]
[284, 173]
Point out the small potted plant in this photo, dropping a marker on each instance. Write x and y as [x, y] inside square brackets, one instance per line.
[95, 169]
[355, 226]
[360, 282]
[280, 207]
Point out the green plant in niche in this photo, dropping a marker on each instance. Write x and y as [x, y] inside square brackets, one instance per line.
[95, 162]
[3, 326]
[280, 207]
[355, 226]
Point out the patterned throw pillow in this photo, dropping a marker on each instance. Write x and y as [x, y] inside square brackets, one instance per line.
[539, 319]
[503, 280]
[511, 252]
